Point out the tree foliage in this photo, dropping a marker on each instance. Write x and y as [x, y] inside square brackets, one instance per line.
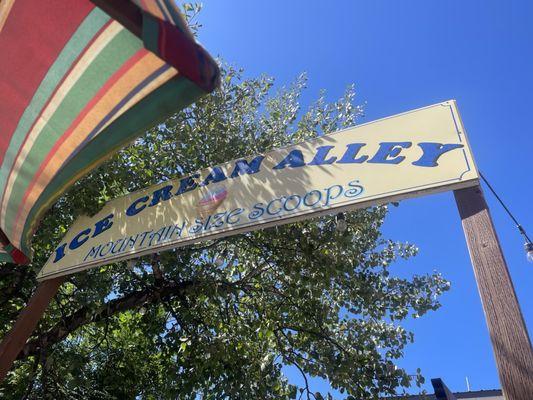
[300, 297]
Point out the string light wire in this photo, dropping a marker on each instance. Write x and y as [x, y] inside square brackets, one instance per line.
[518, 225]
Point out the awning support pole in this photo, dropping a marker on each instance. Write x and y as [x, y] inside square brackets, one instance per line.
[26, 323]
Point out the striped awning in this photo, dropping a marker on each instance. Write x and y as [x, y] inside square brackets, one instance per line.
[80, 79]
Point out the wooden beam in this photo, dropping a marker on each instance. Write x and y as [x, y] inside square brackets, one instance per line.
[508, 332]
[26, 323]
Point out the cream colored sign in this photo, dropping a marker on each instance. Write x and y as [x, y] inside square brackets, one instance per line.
[413, 153]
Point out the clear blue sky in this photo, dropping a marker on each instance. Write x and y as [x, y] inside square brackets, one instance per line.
[402, 55]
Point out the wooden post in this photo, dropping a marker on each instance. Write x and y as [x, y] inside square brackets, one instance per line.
[17, 337]
[508, 332]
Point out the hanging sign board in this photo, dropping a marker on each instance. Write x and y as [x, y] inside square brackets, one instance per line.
[417, 152]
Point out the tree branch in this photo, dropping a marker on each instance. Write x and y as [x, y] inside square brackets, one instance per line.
[85, 315]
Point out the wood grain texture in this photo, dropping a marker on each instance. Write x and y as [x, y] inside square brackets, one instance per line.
[508, 333]
[28, 319]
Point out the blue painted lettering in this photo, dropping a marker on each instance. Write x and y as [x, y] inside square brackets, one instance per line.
[432, 152]
[101, 253]
[133, 209]
[165, 193]
[309, 195]
[296, 203]
[232, 216]
[187, 184]
[271, 212]
[144, 234]
[294, 159]
[103, 225]
[388, 153]
[76, 242]
[320, 156]
[93, 252]
[244, 167]
[60, 252]
[114, 249]
[216, 175]
[257, 211]
[355, 189]
[352, 150]
[329, 193]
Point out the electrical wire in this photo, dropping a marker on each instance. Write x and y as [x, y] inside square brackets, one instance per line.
[520, 227]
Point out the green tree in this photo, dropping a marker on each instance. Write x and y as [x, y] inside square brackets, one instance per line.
[182, 325]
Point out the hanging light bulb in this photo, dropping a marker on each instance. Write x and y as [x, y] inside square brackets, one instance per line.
[529, 251]
[130, 264]
[341, 223]
[221, 258]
